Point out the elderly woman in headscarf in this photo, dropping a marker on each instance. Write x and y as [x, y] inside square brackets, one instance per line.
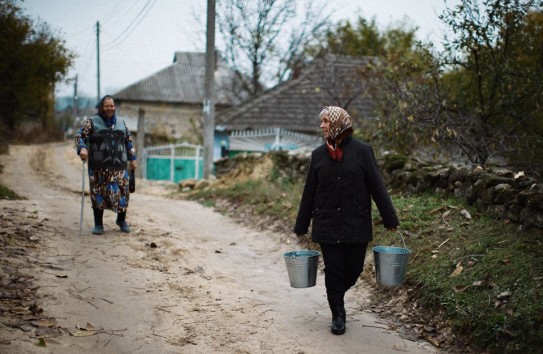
[104, 140]
[343, 178]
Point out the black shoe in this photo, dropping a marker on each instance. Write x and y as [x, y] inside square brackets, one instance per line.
[338, 324]
[338, 321]
[123, 225]
[98, 230]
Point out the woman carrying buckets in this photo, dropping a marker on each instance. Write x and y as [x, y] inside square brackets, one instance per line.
[342, 179]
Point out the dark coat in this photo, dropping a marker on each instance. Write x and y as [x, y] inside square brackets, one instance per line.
[337, 195]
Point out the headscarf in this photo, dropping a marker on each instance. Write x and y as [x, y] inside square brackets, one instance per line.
[109, 122]
[341, 126]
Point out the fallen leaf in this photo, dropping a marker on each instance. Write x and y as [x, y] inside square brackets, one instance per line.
[456, 272]
[437, 210]
[465, 214]
[83, 333]
[44, 323]
[89, 327]
[399, 349]
[41, 343]
[432, 340]
[504, 294]
[460, 288]
[429, 329]
[47, 332]
[477, 283]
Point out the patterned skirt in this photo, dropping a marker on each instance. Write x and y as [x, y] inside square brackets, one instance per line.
[109, 189]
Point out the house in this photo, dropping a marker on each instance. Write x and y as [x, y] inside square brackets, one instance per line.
[286, 116]
[172, 99]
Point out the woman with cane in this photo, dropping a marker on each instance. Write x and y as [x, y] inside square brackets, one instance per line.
[104, 141]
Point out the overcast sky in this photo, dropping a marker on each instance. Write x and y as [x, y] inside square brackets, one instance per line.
[139, 37]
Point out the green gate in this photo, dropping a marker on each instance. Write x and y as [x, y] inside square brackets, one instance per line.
[174, 162]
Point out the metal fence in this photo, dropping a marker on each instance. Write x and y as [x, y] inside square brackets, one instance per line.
[173, 162]
[271, 139]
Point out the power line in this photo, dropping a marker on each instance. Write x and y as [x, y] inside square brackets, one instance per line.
[114, 10]
[132, 26]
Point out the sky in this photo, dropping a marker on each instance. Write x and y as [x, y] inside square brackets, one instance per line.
[139, 37]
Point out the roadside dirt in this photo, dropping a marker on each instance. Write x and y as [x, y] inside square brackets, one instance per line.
[210, 285]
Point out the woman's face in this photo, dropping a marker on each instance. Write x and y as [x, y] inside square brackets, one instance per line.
[325, 125]
[108, 108]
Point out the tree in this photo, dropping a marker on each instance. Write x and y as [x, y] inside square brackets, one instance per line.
[32, 61]
[365, 39]
[481, 94]
[496, 79]
[262, 41]
[396, 74]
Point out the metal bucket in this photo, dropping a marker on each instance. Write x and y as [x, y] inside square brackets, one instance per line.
[390, 264]
[302, 268]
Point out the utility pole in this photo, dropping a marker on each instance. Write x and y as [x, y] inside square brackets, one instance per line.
[75, 98]
[76, 108]
[209, 92]
[98, 61]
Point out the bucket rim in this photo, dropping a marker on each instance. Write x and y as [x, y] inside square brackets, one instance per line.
[383, 249]
[301, 253]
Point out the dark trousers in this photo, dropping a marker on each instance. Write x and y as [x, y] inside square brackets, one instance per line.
[343, 264]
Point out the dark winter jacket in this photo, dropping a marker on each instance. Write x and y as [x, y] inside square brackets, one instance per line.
[337, 195]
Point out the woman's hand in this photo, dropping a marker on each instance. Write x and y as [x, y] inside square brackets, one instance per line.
[83, 154]
[133, 165]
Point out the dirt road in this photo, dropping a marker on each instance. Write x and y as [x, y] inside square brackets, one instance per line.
[210, 285]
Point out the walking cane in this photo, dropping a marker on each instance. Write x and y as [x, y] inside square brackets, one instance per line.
[82, 196]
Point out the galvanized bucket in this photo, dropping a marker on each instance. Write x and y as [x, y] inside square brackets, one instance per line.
[391, 264]
[302, 268]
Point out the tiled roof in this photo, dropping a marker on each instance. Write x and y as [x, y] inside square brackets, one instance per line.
[181, 82]
[296, 104]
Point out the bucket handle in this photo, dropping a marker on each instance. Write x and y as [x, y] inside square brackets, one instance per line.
[307, 242]
[403, 241]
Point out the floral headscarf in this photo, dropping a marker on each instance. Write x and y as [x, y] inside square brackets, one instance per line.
[341, 126]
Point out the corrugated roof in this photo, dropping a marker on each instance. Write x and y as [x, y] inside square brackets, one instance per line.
[181, 82]
[295, 104]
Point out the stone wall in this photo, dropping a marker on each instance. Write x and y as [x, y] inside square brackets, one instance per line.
[498, 193]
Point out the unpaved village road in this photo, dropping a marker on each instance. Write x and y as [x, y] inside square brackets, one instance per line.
[210, 285]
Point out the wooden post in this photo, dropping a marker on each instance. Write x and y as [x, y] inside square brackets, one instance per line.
[140, 142]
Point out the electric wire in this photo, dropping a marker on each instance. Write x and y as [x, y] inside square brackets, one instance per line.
[132, 26]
